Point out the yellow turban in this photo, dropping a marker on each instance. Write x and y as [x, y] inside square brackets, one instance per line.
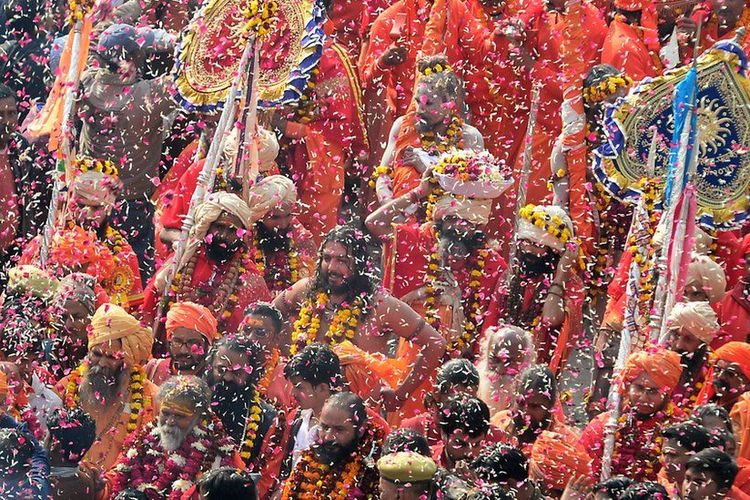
[269, 193]
[112, 322]
[97, 187]
[406, 467]
[696, 318]
[32, 280]
[709, 276]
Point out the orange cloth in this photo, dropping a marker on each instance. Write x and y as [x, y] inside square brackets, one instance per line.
[741, 486]
[626, 50]
[368, 372]
[733, 352]
[194, 317]
[319, 152]
[3, 383]
[554, 460]
[734, 316]
[661, 365]
[108, 444]
[740, 416]
[503, 420]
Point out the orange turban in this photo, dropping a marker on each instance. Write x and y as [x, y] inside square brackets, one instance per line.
[76, 249]
[733, 352]
[556, 460]
[192, 316]
[661, 365]
[112, 322]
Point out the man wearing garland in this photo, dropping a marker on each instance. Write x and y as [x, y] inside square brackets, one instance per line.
[93, 195]
[341, 306]
[284, 249]
[191, 330]
[417, 139]
[544, 294]
[444, 269]
[217, 268]
[235, 367]
[111, 385]
[341, 463]
[648, 379]
[185, 441]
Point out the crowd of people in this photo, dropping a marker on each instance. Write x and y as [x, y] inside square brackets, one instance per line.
[408, 291]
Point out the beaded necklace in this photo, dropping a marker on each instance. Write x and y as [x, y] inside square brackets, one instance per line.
[135, 403]
[343, 325]
[273, 274]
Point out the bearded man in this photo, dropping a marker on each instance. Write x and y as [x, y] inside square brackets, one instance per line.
[507, 352]
[161, 460]
[111, 385]
[464, 424]
[191, 330]
[536, 409]
[235, 367]
[342, 455]
[444, 269]
[728, 385]
[649, 377]
[217, 269]
[284, 250]
[544, 295]
[92, 199]
[692, 327]
[341, 306]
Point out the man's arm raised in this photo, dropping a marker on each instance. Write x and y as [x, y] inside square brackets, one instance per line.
[405, 322]
[380, 222]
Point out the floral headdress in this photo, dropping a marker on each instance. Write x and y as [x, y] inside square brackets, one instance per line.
[602, 90]
[86, 164]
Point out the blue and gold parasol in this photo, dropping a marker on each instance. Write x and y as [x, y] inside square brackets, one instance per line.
[212, 45]
[722, 181]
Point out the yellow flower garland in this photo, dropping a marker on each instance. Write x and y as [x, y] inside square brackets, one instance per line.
[453, 137]
[292, 261]
[645, 257]
[379, 171]
[251, 428]
[343, 325]
[606, 88]
[260, 17]
[136, 402]
[553, 225]
[106, 167]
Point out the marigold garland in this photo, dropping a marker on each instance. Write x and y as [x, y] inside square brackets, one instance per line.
[440, 143]
[343, 325]
[292, 260]
[554, 225]
[606, 88]
[85, 164]
[136, 402]
[380, 171]
[635, 436]
[268, 371]
[260, 17]
[78, 9]
[252, 424]
[644, 255]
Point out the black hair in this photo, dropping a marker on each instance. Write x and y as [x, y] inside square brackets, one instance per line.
[406, 440]
[316, 364]
[227, 483]
[6, 92]
[719, 464]
[73, 430]
[16, 449]
[538, 379]
[599, 73]
[489, 492]
[131, 494]
[613, 487]
[689, 435]
[245, 346]
[458, 371]
[647, 490]
[444, 81]
[711, 410]
[353, 404]
[499, 462]
[467, 413]
[363, 281]
[267, 310]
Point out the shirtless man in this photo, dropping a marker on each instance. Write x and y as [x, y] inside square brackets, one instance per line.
[341, 305]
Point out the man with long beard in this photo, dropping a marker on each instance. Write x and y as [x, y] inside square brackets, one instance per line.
[161, 461]
[536, 409]
[341, 306]
[343, 455]
[284, 249]
[216, 270]
[692, 327]
[111, 385]
[235, 367]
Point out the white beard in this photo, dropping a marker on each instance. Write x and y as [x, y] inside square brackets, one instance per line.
[171, 437]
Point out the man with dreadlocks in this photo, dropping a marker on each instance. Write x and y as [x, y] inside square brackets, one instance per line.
[343, 307]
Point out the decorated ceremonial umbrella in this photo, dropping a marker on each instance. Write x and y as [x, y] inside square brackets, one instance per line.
[722, 180]
[212, 45]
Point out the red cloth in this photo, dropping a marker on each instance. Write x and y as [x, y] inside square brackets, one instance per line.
[8, 203]
[740, 416]
[741, 486]
[625, 49]
[734, 316]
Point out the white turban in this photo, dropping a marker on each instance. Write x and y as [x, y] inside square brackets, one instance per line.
[528, 231]
[475, 211]
[709, 277]
[269, 193]
[697, 318]
[268, 149]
